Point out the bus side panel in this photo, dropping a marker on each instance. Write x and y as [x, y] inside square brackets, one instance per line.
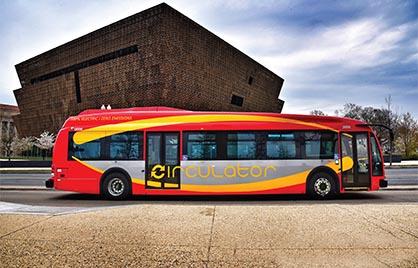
[134, 169]
[375, 182]
[340, 182]
[69, 175]
[246, 176]
[138, 189]
[295, 189]
[77, 178]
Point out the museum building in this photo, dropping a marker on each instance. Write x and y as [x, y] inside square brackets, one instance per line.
[157, 57]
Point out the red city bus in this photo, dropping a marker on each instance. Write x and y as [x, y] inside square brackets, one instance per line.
[167, 151]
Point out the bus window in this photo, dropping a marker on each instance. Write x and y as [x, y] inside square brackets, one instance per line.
[126, 146]
[154, 149]
[201, 146]
[241, 146]
[362, 153]
[91, 150]
[377, 167]
[347, 151]
[347, 146]
[319, 145]
[281, 146]
[171, 149]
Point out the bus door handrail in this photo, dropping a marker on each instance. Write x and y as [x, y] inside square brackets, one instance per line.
[380, 125]
[391, 135]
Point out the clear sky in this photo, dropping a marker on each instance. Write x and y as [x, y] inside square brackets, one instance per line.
[328, 52]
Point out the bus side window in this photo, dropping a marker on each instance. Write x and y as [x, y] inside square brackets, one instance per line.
[241, 145]
[126, 146]
[91, 150]
[319, 145]
[281, 146]
[201, 146]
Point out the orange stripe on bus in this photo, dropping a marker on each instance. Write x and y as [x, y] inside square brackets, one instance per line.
[276, 183]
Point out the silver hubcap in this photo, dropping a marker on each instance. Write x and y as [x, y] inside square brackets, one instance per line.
[322, 186]
[115, 187]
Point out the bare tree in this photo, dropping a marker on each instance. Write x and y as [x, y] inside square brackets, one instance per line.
[317, 112]
[392, 123]
[373, 115]
[408, 131]
[16, 146]
[351, 110]
[7, 139]
[7, 145]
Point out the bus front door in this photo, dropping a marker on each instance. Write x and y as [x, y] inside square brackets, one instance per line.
[355, 164]
[162, 161]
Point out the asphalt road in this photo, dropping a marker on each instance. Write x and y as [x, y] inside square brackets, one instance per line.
[404, 176]
[68, 199]
[50, 201]
[23, 179]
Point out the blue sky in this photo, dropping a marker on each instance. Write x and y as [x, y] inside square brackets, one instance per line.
[328, 52]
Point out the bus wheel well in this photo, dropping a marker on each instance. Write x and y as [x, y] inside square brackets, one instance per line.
[115, 170]
[326, 170]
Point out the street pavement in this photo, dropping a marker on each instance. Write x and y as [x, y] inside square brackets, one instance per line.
[398, 176]
[402, 176]
[362, 230]
[52, 202]
[23, 179]
[62, 229]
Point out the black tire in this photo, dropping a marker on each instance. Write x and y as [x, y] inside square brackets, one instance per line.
[322, 185]
[116, 186]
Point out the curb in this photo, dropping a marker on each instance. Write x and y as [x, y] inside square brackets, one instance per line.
[400, 167]
[400, 188]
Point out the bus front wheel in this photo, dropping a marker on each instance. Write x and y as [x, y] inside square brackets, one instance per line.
[321, 185]
[116, 186]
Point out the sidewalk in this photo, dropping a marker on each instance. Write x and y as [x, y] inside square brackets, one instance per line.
[163, 235]
[403, 164]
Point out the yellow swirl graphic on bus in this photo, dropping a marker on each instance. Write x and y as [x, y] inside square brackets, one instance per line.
[111, 129]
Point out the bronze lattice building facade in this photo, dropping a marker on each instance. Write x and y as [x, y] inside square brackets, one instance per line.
[157, 57]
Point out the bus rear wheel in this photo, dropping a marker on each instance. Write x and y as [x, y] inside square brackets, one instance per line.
[321, 185]
[116, 186]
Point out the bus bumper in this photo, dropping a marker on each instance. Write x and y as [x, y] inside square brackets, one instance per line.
[383, 183]
[49, 183]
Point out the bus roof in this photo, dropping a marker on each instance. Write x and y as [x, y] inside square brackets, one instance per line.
[130, 110]
[96, 117]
